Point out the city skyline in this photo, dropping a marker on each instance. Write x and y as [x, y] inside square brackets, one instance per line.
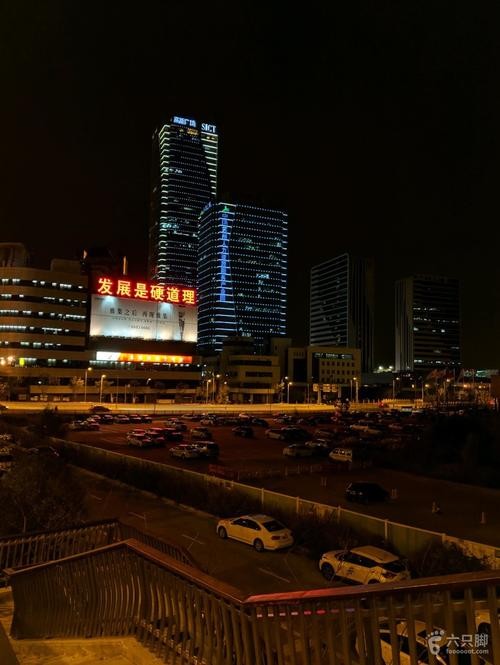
[353, 132]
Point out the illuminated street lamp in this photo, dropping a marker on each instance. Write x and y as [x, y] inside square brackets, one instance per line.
[288, 392]
[100, 391]
[208, 383]
[356, 386]
[89, 369]
[394, 387]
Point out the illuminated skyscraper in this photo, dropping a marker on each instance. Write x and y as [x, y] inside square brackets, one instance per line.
[242, 274]
[427, 323]
[184, 180]
[342, 303]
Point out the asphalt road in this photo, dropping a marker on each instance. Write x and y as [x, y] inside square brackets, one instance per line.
[230, 561]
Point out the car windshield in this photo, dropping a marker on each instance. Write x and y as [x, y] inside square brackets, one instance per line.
[273, 525]
[397, 566]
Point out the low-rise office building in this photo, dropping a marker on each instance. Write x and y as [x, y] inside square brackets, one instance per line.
[115, 340]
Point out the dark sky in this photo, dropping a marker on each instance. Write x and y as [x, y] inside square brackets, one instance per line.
[375, 125]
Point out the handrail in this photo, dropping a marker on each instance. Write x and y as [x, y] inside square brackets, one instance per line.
[34, 547]
[185, 615]
[191, 574]
[449, 583]
[47, 532]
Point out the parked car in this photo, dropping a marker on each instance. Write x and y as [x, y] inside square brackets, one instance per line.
[483, 627]
[185, 451]
[90, 425]
[165, 433]
[324, 434]
[176, 424]
[243, 430]
[365, 565]
[135, 418]
[274, 433]
[295, 433]
[122, 418]
[403, 644]
[319, 447]
[6, 460]
[298, 450]
[259, 422]
[209, 450]
[365, 492]
[107, 419]
[140, 440]
[209, 420]
[201, 433]
[261, 531]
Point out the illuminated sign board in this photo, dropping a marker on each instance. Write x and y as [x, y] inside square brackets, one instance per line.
[117, 356]
[206, 127]
[130, 318]
[133, 309]
[185, 122]
[338, 356]
[146, 291]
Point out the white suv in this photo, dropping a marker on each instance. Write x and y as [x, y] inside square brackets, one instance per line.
[365, 565]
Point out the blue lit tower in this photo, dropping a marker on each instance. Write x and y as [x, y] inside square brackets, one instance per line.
[242, 274]
[184, 180]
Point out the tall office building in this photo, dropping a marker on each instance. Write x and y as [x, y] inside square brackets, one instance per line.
[342, 303]
[242, 274]
[427, 323]
[184, 180]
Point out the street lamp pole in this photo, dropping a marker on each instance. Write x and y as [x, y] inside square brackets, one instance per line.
[103, 376]
[208, 383]
[288, 392]
[356, 386]
[89, 369]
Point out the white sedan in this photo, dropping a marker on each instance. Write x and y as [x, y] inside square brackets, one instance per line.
[261, 531]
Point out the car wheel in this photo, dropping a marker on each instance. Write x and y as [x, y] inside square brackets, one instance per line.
[222, 532]
[258, 545]
[328, 572]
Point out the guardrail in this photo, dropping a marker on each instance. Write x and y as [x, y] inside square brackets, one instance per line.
[35, 547]
[185, 616]
[405, 538]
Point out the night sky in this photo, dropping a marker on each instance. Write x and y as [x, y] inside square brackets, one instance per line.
[375, 125]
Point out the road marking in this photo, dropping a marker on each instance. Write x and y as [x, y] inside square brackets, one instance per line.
[270, 572]
[195, 540]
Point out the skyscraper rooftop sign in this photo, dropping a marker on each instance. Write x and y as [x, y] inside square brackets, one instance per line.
[189, 122]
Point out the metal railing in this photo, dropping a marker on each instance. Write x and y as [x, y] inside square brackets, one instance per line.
[35, 547]
[185, 616]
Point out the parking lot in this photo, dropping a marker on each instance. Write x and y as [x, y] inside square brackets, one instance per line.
[466, 511]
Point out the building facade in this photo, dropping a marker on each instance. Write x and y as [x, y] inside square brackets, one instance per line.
[342, 304]
[184, 180]
[427, 323]
[61, 339]
[242, 274]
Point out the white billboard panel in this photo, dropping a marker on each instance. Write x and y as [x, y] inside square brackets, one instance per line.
[130, 318]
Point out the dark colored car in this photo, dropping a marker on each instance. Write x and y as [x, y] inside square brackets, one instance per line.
[260, 422]
[365, 492]
[99, 409]
[243, 430]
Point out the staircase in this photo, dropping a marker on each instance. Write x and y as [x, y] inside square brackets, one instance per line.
[108, 650]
